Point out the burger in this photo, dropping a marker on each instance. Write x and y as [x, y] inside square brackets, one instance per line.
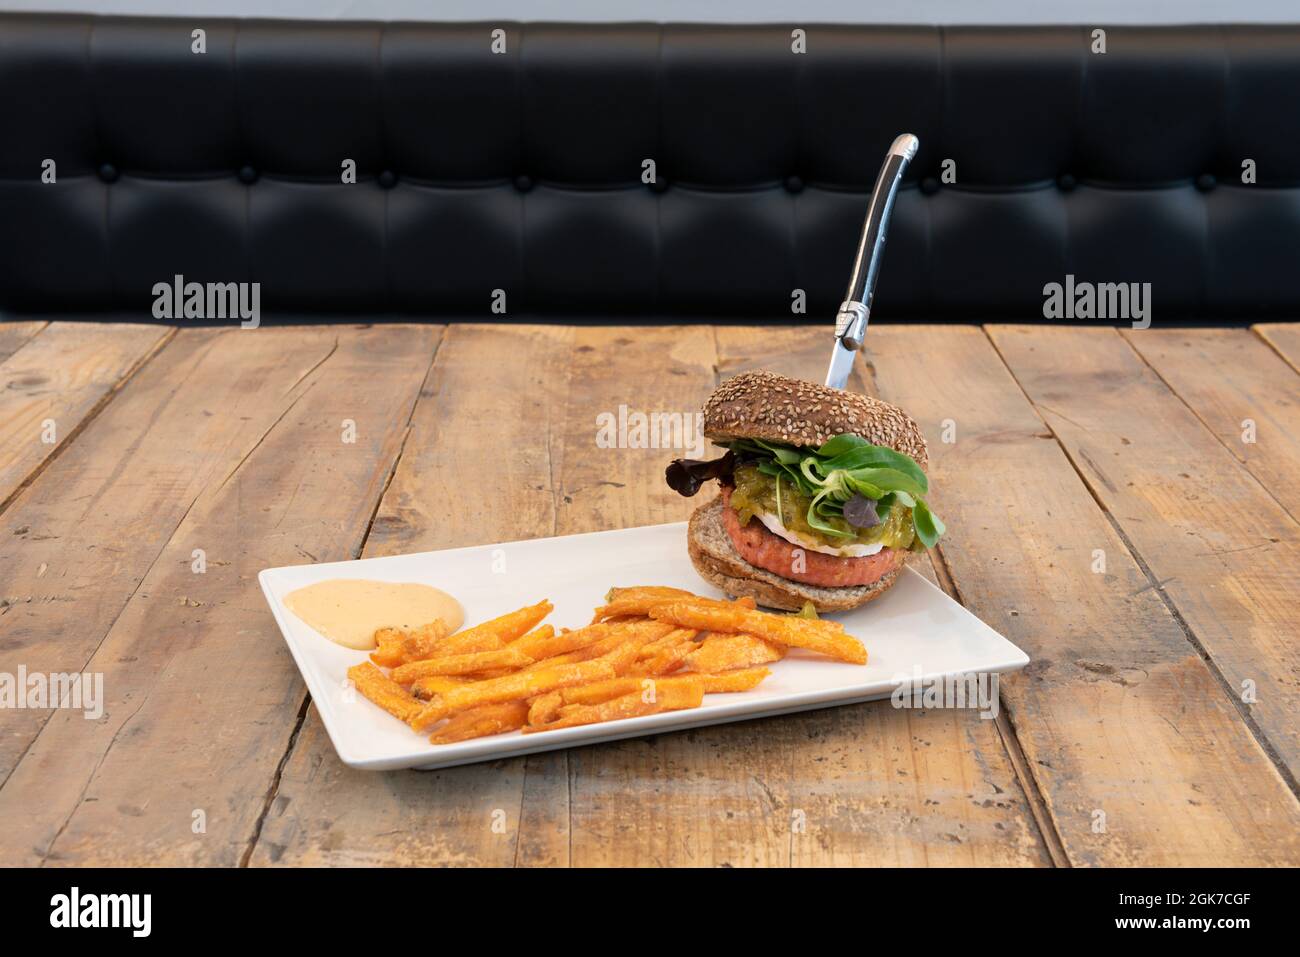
[821, 494]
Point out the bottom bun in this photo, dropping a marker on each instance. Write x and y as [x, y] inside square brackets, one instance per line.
[718, 563]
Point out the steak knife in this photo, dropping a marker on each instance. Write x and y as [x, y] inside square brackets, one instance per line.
[855, 310]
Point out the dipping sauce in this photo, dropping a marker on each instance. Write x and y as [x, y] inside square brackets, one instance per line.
[347, 611]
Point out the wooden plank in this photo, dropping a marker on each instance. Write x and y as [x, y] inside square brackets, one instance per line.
[202, 697]
[477, 467]
[54, 381]
[14, 335]
[78, 541]
[1242, 391]
[1139, 754]
[855, 785]
[1223, 551]
[1284, 337]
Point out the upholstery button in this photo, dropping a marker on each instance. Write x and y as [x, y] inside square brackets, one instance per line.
[660, 184]
[387, 179]
[247, 175]
[1066, 181]
[1206, 182]
[794, 184]
[929, 186]
[108, 172]
[523, 183]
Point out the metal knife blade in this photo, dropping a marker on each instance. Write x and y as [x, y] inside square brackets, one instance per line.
[837, 376]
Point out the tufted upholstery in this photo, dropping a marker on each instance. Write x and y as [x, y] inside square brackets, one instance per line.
[522, 171]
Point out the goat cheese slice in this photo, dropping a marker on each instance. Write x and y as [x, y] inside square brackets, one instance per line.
[844, 551]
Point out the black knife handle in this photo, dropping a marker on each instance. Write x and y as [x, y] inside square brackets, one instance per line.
[851, 323]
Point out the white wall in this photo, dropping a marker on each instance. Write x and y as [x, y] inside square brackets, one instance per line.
[1102, 12]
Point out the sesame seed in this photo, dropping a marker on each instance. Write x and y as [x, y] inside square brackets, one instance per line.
[755, 405]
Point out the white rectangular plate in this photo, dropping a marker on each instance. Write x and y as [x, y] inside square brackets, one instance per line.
[912, 632]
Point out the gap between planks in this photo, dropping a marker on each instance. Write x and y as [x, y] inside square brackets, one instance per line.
[1155, 584]
[90, 415]
[71, 437]
[1262, 332]
[1263, 486]
[1034, 799]
[305, 705]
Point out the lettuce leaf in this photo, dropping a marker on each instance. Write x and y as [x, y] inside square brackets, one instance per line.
[842, 467]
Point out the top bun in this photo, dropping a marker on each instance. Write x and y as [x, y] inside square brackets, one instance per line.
[776, 408]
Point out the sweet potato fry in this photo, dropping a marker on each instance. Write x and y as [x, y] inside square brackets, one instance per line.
[646, 628]
[430, 685]
[460, 664]
[655, 697]
[594, 692]
[642, 630]
[543, 642]
[480, 722]
[602, 647]
[727, 652]
[655, 646]
[545, 707]
[815, 634]
[623, 658]
[667, 657]
[515, 687]
[651, 591]
[597, 691]
[727, 682]
[636, 600]
[495, 633]
[384, 691]
[423, 641]
[388, 647]
[639, 600]
[536, 644]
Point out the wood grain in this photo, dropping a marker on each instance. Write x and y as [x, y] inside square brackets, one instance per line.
[1243, 392]
[1139, 754]
[477, 466]
[1223, 551]
[14, 335]
[1284, 337]
[857, 785]
[202, 697]
[55, 380]
[77, 542]
[228, 440]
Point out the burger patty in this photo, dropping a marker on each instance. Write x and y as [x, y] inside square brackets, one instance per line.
[763, 548]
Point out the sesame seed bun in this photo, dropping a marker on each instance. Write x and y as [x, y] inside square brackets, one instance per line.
[717, 561]
[776, 408]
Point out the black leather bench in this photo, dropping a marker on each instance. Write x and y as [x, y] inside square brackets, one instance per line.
[525, 170]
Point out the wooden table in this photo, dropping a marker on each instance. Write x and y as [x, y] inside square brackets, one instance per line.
[1106, 509]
